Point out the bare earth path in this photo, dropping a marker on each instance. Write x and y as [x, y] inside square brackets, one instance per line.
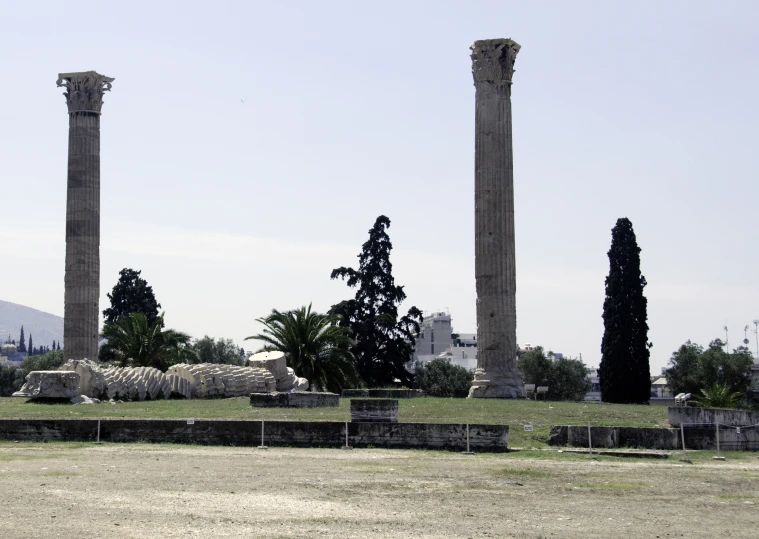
[162, 491]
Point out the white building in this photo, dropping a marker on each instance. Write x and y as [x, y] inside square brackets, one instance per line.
[436, 339]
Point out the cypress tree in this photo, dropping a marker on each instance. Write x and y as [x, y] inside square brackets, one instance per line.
[624, 373]
[31, 345]
[131, 294]
[21, 340]
[384, 341]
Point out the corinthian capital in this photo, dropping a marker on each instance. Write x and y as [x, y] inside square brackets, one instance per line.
[84, 91]
[493, 60]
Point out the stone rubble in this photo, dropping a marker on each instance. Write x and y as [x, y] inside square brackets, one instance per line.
[50, 385]
[87, 379]
[276, 363]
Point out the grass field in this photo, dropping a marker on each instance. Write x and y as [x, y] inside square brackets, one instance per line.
[516, 414]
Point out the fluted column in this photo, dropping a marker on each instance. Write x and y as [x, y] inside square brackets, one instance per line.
[497, 374]
[84, 97]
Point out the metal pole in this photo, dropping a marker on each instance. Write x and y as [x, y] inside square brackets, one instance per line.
[682, 437]
[590, 443]
[718, 457]
[347, 445]
[100, 415]
[262, 446]
[467, 452]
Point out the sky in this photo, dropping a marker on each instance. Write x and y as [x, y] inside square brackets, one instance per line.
[248, 147]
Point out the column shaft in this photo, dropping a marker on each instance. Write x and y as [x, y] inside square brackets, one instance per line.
[82, 279]
[497, 374]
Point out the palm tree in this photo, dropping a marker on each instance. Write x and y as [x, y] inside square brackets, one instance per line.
[315, 347]
[718, 396]
[136, 342]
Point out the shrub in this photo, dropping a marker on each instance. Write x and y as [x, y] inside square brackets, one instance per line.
[441, 378]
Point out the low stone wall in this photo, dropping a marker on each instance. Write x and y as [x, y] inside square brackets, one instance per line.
[654, 438]
[612, 437]
[298, 399]
[691, 415]
[382, 393]
[482, 438]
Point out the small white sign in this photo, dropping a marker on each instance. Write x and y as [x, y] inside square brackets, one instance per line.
[737, 430]
[528, 428]
[190, 421]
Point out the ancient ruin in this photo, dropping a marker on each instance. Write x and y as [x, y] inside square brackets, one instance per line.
[497, 375]
[84, 97]
[268, 374]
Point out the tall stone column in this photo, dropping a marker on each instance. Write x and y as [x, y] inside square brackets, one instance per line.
[497, 374]
[84, 97]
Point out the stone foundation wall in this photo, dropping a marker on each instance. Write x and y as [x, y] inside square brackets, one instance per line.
[655, 438]
[382, 393]
[297, 399]
[483, 438]
[691, 415]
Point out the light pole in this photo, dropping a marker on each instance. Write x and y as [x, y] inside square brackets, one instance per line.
[756, 335]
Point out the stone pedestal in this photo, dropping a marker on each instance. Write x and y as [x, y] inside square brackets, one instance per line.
[374, 411]
[497, 375]
[84, 97]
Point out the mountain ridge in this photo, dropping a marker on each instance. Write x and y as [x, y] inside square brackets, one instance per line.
[44, 327]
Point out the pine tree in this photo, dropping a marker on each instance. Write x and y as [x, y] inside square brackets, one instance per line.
[384, 343]
[132, 294]
[21, 340]
[624, 374]
[31, 345]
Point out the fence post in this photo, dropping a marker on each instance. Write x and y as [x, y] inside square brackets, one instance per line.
[590, 443]
[682, 438]
[467, 452]
[718, 457]
[262, 446]
[347, 445]
[100, 415]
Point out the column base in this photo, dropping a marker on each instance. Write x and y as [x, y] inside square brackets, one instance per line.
[506, 385]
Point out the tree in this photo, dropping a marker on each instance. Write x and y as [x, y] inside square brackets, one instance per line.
[43, 362]
[31, 345]
[225, 351]
[693, 368]
[131, 294]
[441, 378]
[134, 341]
[624, 373]
[22, 341]
[10, 380]
[315, 346]
[535, 367]
[566, 378]
[718, 396]
[384, 343]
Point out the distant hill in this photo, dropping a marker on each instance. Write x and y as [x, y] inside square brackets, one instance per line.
[44, 327]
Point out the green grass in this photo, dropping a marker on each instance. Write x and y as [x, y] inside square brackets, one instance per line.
[541, 415]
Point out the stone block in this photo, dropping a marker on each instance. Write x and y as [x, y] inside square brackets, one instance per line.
[383, 393]
[50, 385]
[374, 410]
[274, 362]
[299, 399]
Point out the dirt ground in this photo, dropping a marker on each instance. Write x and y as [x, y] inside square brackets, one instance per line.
[145, 491]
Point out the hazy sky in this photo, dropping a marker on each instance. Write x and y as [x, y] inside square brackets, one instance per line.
[247, 148]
